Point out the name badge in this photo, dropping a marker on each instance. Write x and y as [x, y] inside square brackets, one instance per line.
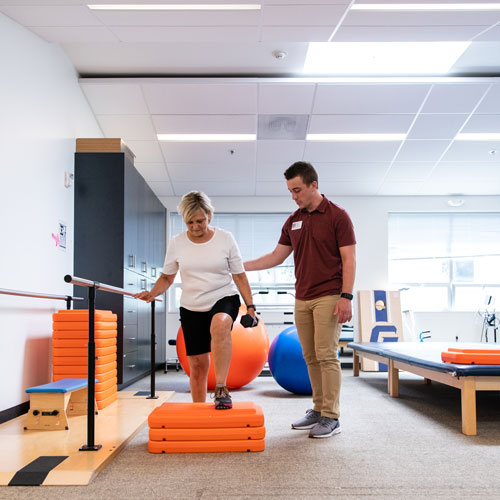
[296, 225]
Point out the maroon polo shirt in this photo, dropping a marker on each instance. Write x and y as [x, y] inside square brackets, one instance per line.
[315, 238]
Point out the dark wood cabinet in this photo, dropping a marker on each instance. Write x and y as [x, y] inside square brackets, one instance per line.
[119, 239]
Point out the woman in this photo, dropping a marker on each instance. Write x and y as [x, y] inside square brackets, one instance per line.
[209, 261]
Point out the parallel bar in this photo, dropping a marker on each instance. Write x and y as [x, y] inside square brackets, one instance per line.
[99, 286]
[153, 348]
[36, 295]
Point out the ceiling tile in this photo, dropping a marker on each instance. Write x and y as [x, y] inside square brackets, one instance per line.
[350, 172]
[272, 172]
[349, 188]
[162, 34]
[435, 126]
[413, 150]
[210, 171]
[406, 33]
[454, 97]
[75, 34]
[271, 189]
[179, 18]
[451, 187]
[489, 35]
[161, 188]
[228, 188]
[361, 124]
[487, 172]
[409, 171]
[350, 151]
[285, 98]
[210, 152]
[369, 98]
[296, 33]
[52, 15]
[438, 18]
[194, 99]
[128, 127]
[491, 102]
[146, 151]
[281, 152]
[115, 99]
[302, 15]
[390, 188]
[152, 172]
[483, 124]
[205, 124]
[475, 151]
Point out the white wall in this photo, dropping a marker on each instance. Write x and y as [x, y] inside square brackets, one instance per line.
[369, 215]
[42, 111]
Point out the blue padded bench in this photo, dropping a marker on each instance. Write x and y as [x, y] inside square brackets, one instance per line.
[50, 404]
[424, 358]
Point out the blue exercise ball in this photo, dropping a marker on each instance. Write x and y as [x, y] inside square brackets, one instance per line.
[286, 363]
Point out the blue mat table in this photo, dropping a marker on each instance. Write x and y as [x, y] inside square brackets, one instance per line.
[424, 359]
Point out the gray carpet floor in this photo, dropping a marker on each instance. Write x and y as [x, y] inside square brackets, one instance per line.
[405, 448]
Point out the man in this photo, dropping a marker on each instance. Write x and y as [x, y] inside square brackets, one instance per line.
[321, 235]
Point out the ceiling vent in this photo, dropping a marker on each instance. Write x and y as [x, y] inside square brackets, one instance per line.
[282, 127]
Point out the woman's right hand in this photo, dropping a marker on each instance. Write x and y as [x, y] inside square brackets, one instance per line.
[146, 296]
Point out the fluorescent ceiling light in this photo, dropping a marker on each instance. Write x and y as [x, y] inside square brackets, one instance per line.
[426, 6]
[355, 137]
[494, 136]
[375, 58]
[249, 6]
[206, 137]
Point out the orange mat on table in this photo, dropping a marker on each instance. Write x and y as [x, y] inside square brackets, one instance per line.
[82, 315]
[83, 342]
[102, 377]
[200, 428]
[471, 356]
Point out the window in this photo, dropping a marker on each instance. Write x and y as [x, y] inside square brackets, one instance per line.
[256, 235]
[448, 261]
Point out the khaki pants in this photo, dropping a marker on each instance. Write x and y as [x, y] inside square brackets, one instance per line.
[319, 334]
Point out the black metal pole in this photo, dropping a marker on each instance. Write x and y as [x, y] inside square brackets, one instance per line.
[68, 302]
[153, 350]
[90, 446]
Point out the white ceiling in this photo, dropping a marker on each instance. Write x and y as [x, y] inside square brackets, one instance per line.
[214, 72]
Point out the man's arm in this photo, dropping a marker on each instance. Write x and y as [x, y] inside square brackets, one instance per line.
[162, 285]
[344, 306]
[274, 258]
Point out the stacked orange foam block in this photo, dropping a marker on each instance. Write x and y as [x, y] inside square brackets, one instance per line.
[200, 428]
[70, 350]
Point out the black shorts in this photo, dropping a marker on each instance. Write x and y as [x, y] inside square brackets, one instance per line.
[196, 324]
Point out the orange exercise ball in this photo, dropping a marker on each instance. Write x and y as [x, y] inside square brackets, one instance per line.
[250, 350]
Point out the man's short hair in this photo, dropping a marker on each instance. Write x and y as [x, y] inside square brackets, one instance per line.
[304, 170]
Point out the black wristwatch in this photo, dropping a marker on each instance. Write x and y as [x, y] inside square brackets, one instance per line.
[251, 306]
[348, 296]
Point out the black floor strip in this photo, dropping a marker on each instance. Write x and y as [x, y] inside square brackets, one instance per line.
[35, 472]
[142, 393]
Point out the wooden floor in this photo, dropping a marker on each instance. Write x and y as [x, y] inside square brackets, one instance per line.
[115, 426]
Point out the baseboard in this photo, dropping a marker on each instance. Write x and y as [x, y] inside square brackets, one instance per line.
[14, 412]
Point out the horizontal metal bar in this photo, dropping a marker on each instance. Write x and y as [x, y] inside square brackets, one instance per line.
[36, 295]
[99, 286]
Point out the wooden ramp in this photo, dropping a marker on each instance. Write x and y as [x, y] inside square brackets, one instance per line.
[38, 451]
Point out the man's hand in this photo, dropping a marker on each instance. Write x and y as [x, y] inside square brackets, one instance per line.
[344, 310]
[146, 296]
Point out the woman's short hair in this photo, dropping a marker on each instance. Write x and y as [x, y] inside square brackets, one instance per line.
[192, 202]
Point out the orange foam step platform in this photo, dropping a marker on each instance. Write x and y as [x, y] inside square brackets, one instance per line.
[102, 386]
[83, 315]
[82, 351]
[103, 395]
[204, 415]
[206, 446]
[81, 325]
[471, 358]
[82, 360]
[84, 334]
[226, 434]
[79, 343]
[106, 402]
[69, 370]
[102, 377]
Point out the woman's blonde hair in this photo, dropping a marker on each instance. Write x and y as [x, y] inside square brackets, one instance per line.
[192, 202]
